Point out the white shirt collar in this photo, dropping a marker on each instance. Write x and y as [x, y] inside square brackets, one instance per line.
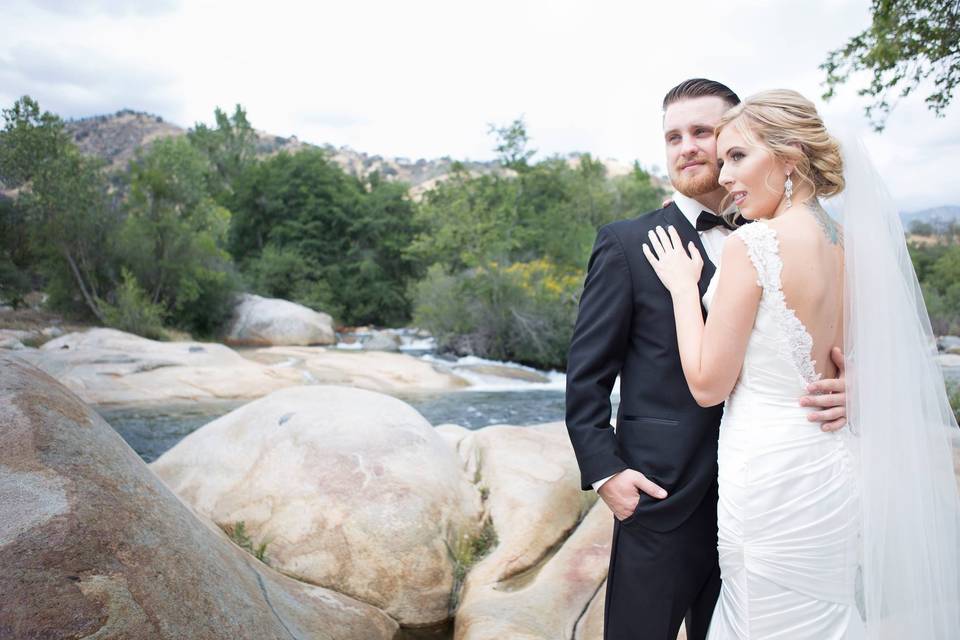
[691, 208]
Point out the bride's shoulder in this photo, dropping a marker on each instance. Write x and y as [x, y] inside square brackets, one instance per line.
[758, 233]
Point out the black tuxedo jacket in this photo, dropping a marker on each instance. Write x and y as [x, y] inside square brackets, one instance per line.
[626, 326]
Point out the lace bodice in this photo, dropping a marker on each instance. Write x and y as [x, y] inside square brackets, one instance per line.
[778, 358]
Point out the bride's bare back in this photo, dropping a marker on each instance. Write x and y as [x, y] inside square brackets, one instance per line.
[811, 249]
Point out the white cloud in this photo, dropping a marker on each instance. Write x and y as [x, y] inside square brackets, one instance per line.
[110, 7]
[424, 78]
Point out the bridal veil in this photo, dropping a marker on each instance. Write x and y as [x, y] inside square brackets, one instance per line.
[900, 420]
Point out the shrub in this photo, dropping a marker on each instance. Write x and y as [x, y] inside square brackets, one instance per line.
[522, 312]
[132, 310]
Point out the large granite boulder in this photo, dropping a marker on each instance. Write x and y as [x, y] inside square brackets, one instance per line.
[106, 366]
[93, 545]
[354, 491]
[272, 321]
[534, 496]
[549, 601]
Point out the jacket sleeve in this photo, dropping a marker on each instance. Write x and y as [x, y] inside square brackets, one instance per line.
[597, 351]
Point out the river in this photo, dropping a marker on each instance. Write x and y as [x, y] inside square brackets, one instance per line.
[491, 399]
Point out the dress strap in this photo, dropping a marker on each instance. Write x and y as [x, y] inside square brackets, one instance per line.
[764, 251]
[762, 247]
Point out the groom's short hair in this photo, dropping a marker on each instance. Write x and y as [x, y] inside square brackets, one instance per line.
[700, 88]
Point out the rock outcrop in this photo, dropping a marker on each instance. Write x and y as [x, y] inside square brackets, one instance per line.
[109, 367]
[553, 539]
[373, 370]
[93, 545]
[352, 490]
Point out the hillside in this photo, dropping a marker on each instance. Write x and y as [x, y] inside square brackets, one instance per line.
[116, 138]
[944, 214]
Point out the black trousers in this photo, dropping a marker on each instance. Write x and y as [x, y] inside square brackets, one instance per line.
[656, 579]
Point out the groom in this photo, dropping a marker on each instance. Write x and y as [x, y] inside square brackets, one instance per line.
[658, 471]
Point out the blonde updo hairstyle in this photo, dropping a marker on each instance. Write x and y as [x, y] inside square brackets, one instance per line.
[788, 125]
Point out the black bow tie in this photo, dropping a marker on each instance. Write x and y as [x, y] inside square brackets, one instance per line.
[707, 220]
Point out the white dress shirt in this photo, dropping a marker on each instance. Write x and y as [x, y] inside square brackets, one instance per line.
[712, 240]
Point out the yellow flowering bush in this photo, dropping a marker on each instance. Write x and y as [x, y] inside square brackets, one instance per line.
[523, 311]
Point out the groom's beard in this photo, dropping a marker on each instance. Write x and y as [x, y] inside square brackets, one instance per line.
[703, 181]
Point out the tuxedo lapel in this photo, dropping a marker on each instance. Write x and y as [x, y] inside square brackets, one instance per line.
[688, 234]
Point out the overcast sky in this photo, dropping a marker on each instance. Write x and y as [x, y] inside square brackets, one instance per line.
[424, 78]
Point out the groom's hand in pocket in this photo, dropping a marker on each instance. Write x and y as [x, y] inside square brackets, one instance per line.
[622, 492]
[829, 396]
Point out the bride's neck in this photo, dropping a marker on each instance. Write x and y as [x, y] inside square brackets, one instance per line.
[803, 196]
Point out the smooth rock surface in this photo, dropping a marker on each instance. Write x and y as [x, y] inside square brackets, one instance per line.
[354, 491]
[453, 434]
[271, 321]
[534, 493]
[93, 545]
[548, 604]
[503, 371]
[108, 367]
[373, 370]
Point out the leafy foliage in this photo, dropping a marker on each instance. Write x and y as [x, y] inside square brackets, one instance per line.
[907, 42]
[238, 533]
[64, 203]
[230, 147]
[344, 240]
[174, 236]
[133, 311]
[524, 311]
[16, 256]
[491, 263]
[507, 251]
[938, 270]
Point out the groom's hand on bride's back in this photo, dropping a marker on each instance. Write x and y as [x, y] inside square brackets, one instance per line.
[622, 492]
[829, 396]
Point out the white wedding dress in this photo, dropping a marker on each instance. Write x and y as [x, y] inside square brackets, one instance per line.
[788, 515]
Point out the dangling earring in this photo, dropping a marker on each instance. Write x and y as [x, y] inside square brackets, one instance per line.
[788, 187]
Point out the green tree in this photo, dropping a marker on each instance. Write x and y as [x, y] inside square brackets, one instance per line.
[506, 252]
[133, 311]
[174, 236]
[64, 199]
[16, 254]
[907, 42]
[512, 144]
[230, 146]
[467, 220]
[347, 238]
[378, 269]
[938, 270]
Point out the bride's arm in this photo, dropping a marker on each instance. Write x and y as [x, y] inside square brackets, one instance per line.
[711, 354]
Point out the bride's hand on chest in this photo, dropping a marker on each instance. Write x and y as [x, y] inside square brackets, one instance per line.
[676, 269]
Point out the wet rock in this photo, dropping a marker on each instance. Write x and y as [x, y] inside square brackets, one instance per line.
[382, 341]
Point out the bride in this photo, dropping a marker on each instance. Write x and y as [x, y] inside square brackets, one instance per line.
[822, 535]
